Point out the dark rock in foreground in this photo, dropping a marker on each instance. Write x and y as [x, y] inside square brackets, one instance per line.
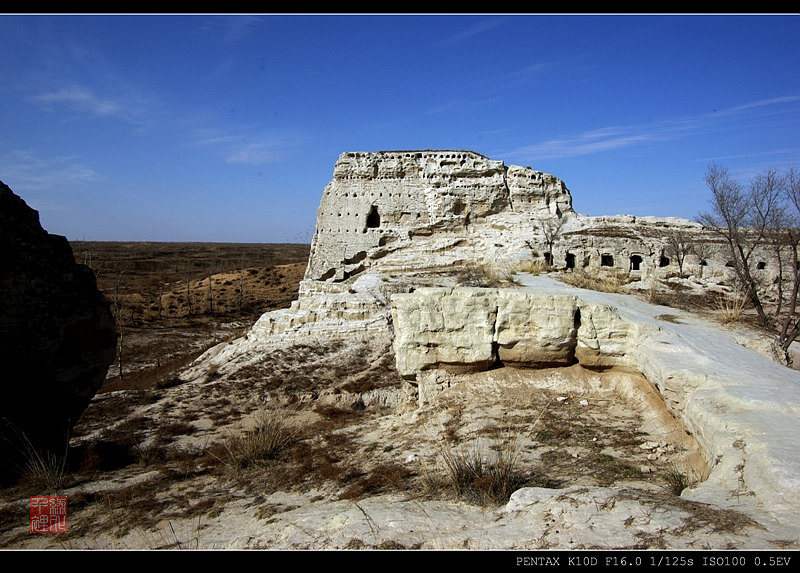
[57, 336]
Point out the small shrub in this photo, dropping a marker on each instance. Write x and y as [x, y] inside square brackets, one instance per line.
[268, 439]
[171, 429]
[731, 307]
[334, 416]
[676, 481]
[383, 478]
[653, 292]
[169, 382]
[150, 453]
[106, 455]
[474, 477]
[533, 267]
[669, 318]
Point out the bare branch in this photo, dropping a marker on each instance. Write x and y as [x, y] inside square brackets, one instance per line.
[679, 246]
[550, 228]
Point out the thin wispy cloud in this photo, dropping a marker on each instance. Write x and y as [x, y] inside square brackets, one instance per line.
[455, 106]
[236, 28]
[230, 29]
[248, 149]
[80, 99]
[757, 104]
[212, 137]
[24, 170]
[258, 153]
[599, 141]
[479, 28]
[768, 154]
[522, 76]
[529, 72]
[619, 137]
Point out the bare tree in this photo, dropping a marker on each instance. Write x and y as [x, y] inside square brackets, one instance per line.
[703, 251]
[240, 300]
[188, 293]
[212, 270]
[161, 279]
[678, 246]
[551, 229]
[210, 296]
[765, 216]
[777, 231]
[790, 326]
[732, 216]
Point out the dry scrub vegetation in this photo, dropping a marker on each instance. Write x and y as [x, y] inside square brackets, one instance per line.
[602, 280]
[327, 420]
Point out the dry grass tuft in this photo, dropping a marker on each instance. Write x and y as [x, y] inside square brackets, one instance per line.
[730, 307]
[533, 267]
[486, 276]
[477, 478]
[270, 437]
[603, 280]
[676, 481]
[37, 469]
[44, 471]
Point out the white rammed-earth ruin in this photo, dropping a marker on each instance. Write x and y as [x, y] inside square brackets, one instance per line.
[399, 237]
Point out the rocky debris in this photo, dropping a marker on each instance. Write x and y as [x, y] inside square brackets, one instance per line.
[57, 335]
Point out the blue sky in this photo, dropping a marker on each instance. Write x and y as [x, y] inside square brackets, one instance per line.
[227, 128]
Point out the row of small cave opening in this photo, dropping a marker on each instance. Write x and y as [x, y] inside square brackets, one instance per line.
[607, 260]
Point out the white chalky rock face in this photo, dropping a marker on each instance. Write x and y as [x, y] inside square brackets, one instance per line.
[393, 210]
[379, 200]
[461, 329]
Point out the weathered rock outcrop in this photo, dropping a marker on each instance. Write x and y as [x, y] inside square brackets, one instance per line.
[409, 219]
[57, 335]
[400, 209]
[378, 202]
[463, 329]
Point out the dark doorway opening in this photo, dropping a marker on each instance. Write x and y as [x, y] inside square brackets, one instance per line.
[373, 219]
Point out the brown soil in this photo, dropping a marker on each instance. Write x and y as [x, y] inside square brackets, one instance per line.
[171, 301]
